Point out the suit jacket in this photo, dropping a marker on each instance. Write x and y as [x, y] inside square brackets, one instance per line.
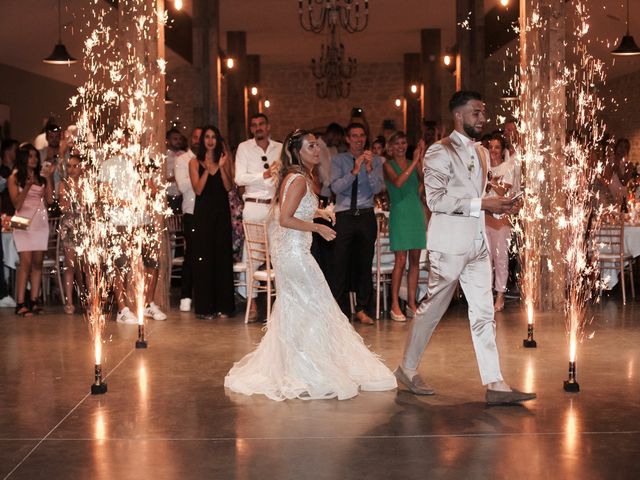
[450, 186]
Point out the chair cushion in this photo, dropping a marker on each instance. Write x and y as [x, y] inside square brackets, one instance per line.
[239, 267]
[261, 275]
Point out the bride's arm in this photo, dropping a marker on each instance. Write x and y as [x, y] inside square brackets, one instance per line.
[288, 208]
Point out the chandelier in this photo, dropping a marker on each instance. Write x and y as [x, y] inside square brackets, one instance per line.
[333, 70]
[346, 13]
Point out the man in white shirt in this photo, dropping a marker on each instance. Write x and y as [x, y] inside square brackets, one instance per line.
[174, 150]
[126, 216]
[183, 182]
[254, 171]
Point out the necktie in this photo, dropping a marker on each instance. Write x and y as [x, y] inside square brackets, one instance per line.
[354, 191]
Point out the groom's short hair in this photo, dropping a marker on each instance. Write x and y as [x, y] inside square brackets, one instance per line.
[462, 97]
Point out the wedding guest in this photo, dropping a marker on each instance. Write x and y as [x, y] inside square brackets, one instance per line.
[498, 229]
[256, 161]
[407, 227]
[174, 150]
[8, 157]
[124, 180]
[183, 181]
[212, 250]
[334, 139]
[31, 189]
[8, 152]
[378, 146]
[70, 201]
[619, 170]
[356, 176]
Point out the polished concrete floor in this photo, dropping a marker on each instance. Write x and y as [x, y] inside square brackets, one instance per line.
[167, 416]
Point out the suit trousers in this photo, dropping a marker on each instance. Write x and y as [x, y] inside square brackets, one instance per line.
[353, 252]
[473, 270]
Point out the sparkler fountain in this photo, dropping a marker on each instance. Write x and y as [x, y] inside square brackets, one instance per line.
[118, 108]
[580, 217]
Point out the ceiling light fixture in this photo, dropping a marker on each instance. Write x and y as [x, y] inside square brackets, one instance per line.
[627, 45]
[59, 56]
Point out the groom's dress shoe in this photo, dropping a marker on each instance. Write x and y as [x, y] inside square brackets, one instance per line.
[513, 397]
[415, 385]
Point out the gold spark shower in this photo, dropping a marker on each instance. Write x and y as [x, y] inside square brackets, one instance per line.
[120, 214]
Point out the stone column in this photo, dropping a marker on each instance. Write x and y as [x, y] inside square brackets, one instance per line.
[470, 38]
[253, 80]
[543, 129]
[236, 82]
[206, 59]
[431, 74]
[413, 112]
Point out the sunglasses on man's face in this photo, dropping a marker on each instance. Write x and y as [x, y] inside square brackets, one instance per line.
[264, 159]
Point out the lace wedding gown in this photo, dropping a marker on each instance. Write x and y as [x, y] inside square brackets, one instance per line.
[310, 350]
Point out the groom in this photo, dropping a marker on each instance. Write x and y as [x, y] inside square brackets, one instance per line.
[455, 174]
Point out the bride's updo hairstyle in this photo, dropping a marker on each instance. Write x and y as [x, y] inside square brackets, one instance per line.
[290, 159]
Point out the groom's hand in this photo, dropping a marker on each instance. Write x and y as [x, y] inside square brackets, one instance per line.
[498, 205]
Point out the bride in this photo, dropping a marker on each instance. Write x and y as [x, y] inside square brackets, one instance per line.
[310, 350]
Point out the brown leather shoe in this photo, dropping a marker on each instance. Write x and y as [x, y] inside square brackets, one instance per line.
[514, 397]
[415, 385]
[364, 318]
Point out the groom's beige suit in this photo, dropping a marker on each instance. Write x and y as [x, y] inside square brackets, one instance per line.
[455, 176]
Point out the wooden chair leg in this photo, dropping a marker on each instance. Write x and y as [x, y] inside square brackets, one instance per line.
[268, 299]
[622, 284]
[249, 295]
[633, 287]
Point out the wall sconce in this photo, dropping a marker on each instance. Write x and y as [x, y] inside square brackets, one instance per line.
[504, 3]
[449, 62]
[227, 63]
[266, 104]
[177, 4]
[413, 88]
[254, 91]
[398, 103]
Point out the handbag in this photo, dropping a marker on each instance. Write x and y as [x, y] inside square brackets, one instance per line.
[20, 223]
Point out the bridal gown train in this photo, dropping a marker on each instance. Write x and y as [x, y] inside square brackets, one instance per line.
[310, 350]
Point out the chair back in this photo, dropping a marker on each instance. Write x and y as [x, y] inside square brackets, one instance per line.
[609, 238]
[176, 232]
[257, 243]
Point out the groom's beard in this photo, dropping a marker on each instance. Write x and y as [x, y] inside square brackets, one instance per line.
[470, 130]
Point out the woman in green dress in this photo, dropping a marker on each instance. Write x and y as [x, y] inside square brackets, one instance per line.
[407, 227]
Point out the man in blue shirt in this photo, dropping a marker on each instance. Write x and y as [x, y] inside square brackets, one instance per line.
[356, 176]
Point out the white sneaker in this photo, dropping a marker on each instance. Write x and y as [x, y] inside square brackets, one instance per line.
[126, 316]
[185, 305]
[7, 302]
[154, 312]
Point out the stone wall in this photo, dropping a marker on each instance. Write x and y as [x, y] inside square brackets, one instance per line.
[291, 89]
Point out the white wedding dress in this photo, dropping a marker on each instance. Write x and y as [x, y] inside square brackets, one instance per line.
[310, 350]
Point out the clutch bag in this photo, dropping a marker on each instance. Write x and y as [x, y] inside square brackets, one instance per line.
[20, 223]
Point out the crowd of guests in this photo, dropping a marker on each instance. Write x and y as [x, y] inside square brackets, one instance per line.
[355, 174]
[214, 189]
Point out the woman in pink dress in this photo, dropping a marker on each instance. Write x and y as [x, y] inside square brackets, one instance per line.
[29, 188]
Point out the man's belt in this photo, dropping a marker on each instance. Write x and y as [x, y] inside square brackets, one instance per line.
[356, 212]
[265, 201]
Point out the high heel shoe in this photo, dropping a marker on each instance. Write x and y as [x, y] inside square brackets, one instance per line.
[23, 311]
[69, 309]
[397, 318]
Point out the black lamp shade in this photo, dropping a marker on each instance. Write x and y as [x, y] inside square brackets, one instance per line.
[60, 56]
[627, 47]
